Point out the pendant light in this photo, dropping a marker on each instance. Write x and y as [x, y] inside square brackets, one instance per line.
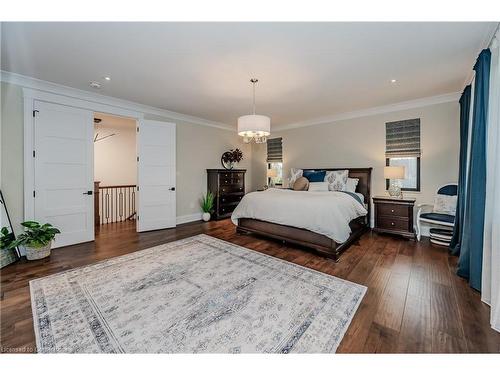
[254, 127]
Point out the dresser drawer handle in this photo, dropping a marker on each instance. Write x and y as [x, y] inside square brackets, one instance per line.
[392, 223]
[392, 210]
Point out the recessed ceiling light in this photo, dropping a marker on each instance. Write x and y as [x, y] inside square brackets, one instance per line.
[95, 85]
[393, 81]
[107, 78]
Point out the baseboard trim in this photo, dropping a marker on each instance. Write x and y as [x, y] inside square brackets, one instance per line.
[188, 218]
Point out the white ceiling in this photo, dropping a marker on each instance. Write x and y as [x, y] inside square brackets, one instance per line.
[305, 70]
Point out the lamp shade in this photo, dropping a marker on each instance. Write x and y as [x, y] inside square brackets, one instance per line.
[394, 172]
[272, 173]
[254, 125]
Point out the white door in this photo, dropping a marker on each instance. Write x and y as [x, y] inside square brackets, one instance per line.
[64, 167]
[156, 175]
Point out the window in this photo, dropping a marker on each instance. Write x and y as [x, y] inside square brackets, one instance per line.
[412, 171]
[278, 180]
[275, 160]
[403, 149]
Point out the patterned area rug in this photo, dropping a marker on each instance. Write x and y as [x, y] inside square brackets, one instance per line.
[195, 295]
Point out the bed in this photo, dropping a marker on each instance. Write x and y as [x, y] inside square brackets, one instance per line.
[330, 243]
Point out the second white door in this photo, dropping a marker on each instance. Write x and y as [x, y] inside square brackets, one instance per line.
[156, 174]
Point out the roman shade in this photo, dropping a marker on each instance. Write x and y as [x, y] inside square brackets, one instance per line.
[402, 138]
[274, 150]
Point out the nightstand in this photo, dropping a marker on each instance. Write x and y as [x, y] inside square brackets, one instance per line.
[394, 215]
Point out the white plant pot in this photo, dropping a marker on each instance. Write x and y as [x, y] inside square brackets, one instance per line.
[206, 216]
[34, 253]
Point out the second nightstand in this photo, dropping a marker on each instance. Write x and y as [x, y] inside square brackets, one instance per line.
[394, 215]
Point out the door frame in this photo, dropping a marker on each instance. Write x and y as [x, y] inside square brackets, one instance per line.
[30, 96]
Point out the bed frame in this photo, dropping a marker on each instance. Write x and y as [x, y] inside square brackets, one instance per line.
[303, 237]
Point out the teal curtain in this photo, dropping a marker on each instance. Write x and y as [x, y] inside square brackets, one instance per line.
[470, 263]
[462, 173]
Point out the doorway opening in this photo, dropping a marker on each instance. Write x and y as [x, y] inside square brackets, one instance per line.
[115, 174]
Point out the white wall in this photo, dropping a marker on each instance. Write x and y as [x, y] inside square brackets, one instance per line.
[357, 142]
[198, 147]
[360, 142]
[115, 160]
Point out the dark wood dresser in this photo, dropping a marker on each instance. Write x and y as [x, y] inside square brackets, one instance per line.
[394, 215]
[228, 188]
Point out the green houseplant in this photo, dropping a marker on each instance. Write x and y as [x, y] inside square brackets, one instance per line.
[207, 204]
[8, 254]
[6, 238]
[36, 239]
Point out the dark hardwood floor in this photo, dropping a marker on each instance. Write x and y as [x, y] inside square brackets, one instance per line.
[414, 304]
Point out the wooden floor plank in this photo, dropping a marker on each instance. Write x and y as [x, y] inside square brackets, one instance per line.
[391, 308]
[445, 317]
[416, 329]
[414, 303]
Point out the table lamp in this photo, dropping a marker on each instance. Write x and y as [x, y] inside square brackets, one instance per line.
[392, 174]
[271, 173]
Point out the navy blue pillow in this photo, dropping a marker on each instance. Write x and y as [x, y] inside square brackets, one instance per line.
[314, 176]
[448, 190]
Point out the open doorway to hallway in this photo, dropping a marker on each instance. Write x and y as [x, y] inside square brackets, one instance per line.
[115, 173]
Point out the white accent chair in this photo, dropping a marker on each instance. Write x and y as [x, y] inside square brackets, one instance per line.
[426, 212]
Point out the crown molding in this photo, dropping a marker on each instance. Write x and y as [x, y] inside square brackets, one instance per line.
[54, 88]
[401, 106]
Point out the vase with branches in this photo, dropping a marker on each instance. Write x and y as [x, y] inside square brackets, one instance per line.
[230, 158]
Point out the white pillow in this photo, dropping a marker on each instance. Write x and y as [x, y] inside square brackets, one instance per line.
[318, 186]
[445, 204]
[295, 173]
[351, 185]
[337, 180]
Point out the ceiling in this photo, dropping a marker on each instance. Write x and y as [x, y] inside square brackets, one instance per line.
[305, 70]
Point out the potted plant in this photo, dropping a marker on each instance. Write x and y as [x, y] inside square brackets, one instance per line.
[36, 239]
[207, 204]
[230, 158]
[8, 254]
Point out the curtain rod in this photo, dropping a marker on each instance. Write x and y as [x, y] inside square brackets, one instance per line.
[494, 34]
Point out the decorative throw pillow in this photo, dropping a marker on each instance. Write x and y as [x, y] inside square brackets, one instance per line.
[445, 204]
[337, 180]
[318, 186]
[301, 183]
[314, 176]
[294, 175]
[351, 184]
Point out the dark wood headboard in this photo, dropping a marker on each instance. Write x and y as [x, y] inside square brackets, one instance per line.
[364, 185]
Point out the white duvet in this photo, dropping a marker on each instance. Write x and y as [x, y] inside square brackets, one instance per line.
[327, 213]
